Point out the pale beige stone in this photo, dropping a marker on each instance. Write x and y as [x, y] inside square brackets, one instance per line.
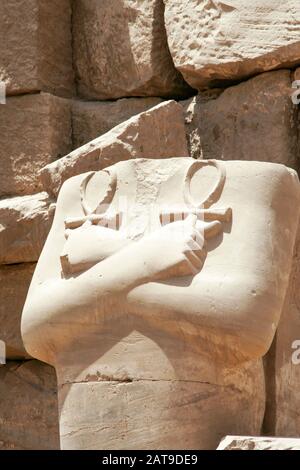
[120, 49]
[35, 46]
[258, 443]
[91, 119]
[25, 222]
[28, 407]
[14, 284]
[255, 120]
[158, 414]
[156, 133]
[159, 322]
[213, 42]
[35, 130]
[284, 362]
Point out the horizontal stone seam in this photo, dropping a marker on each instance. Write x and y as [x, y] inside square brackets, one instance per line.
[128, 381]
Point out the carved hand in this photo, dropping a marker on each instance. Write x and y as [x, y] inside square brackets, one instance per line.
[177, 249]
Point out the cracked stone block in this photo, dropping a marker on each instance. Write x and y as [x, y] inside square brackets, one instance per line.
[25, 222]
[214, 42]
[163, 404]
[35, 130]
[121, 49]
[35, 46]
[28, 407]
[255, 120]
[156, 133]
[92, 119]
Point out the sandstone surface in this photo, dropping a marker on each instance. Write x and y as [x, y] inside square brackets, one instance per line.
[121, 49]
[36, 46]
[25, 222]
[35, 130]
[213, 42]
[28, 407]
[91, 119]
[156, 133]
[14, 284]
[255, 120]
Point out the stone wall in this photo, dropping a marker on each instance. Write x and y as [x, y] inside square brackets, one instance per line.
[75, 69]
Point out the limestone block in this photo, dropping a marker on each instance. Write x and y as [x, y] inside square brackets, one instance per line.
[285, 360]
[35, 130]
[258, 443]
[28, 407]
[170, 413]
[24, 225]
[255, 120]
[120, 49]
[156, 133]
[157, 294]
[14, 284]
[213, 42]
[92, 119]
[35, 46]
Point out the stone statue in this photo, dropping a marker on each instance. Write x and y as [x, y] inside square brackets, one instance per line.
[157, 293]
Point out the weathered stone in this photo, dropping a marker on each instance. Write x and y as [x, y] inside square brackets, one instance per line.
[28, 407]
[212, 42]
[24, 225]
[35, 46]
[92, 119]
[35, 130]
[258, 443]
[120, 49]
[255, 120]
[285, 361]
[193, 120]
[156, 133]
[161, 323]
[157, 414]
[297, 74]
[14, 284]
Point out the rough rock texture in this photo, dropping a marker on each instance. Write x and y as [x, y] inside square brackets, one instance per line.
[258, 443]
[297, 74]
[14, 284]
[92, 119]
[35, 46]
[175, 414]
[28, 407]
[285, 364]
[156, 133]
[165, 343]
[120, 49]
[24, 225]
[255, 120]
[216, 41]
[193, 109]
[35, 130]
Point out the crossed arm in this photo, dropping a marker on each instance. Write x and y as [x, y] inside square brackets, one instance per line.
[132, 281]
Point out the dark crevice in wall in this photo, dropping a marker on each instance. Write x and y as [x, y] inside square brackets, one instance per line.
[269, 363]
